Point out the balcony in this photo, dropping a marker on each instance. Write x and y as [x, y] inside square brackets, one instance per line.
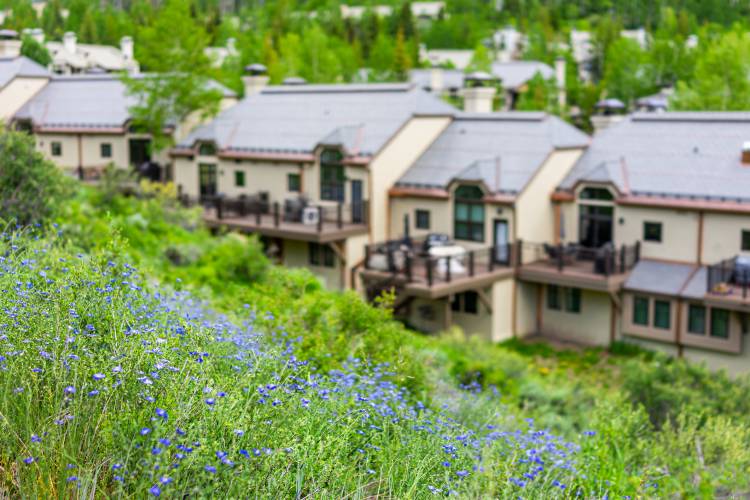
[296, 218]
[729, 281]
[437, 271]
[603, 269]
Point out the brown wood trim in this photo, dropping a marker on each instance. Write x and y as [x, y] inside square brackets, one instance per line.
[404, 192]
[539, 311]
[612, 321]
[448, 313]
[255, 155]
[514, 304]
[562, 196]
[80, 130]
[700, 238]
[680, 204]
[678, 331]
[484, 299]
[499, 199]
[557, 214]
[80, 151]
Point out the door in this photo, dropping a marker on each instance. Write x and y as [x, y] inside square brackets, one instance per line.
[595, 227]
[207, 181]
[140, 151]
[501, 252]
[358, 206]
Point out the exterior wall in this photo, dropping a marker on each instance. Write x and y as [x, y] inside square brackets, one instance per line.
[649, 332]
[355, 253]
[391, 163]
[185, 175]
[427, 315]
[590, 326]
[502, 310]
[16, 93]
[526, 308]
[194, 119]
[269, 177]
[534, 212]
[295, 254]
[89, 151]
[479, 324]
[680, 232]
[721, 236]
[734, 364]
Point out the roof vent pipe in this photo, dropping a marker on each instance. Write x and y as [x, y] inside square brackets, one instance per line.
[746, 153]
[255, 79]
[478, 92]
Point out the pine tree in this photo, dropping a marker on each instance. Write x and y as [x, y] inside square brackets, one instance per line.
[401, 59]
[88, 31]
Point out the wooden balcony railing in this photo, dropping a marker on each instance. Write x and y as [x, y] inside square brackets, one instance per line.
[415, 266]
[728, 278]
[606, 260]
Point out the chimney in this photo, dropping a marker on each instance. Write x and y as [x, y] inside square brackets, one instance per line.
[232, 46]
[746, 153]
[478, 93]
[69, 42]
[560, 77]
[10, 45]
[436, 79]
[608, 112]
[126, 47]
[38, 35]
[255, 79]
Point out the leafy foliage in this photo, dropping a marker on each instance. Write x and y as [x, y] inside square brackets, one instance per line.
[35, 51]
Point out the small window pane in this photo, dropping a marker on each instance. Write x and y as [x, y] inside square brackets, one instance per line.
[462, 211]
[470, 302]
[596, 194]
[652, 231]
[697, 319]
[477, 233]
[294, 183]
[746, 241]
[106, 150]
[468, 193]
[206, 149]
[640, 311]
[239, 178]
[423, 219]
[720, 323]
[329, 258]
[477, 213]
[461, 231]
[456, 303]
[662, 314]
[56, 148]
[553, 297]
[573, 300]
[313, 254]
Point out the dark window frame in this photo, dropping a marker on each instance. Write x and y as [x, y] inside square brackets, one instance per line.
[692, 321]
[206, 149]
[422, 219]
[239, 178]
[648, 227]
[658, 304]
[640, 299]
[553, 298]
[573, 299]
[105, 150]
[293, 182]
[468, 198]
[466, 302]
[745, 240]
[726, 315]
[596, 194]
[332, 175]
[320, 255]
[56, 148]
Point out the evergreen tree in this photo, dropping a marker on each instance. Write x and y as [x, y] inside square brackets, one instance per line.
[401, 59]
[52, 19]
[480, 60]
[35, 51]
[88, 31]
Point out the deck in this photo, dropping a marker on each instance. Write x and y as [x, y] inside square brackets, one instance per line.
[579, 274]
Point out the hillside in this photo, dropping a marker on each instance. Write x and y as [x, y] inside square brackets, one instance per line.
[141, 355]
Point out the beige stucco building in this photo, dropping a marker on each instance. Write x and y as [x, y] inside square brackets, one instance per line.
[20, 80]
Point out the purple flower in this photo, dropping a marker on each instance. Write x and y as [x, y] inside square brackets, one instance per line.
[98, 376]
[162, 413]
[155, 490]
[35, 439]
[210, 401]
[72, 478]
[70, 390]
[462, 473]
[29, 460]
[210, 468]
[145, 431]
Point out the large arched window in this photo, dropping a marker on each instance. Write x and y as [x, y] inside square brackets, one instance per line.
[331, 175]
[468, 214]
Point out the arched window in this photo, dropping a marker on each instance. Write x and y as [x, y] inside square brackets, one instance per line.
[599, 194]
[468, 214]
[331, 175]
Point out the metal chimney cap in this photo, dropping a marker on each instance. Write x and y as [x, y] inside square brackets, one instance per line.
[294, 80]
[256, 69]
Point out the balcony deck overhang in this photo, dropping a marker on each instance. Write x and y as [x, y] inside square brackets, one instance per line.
[578, 275]
[458, 284]
[266, 225]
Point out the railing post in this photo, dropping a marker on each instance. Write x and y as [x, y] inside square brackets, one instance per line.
[429, 271]
[623, 249]
[637, 252]
[243, 206]
[519, 252]
[320, 219]
[607, 262]
[339, 220]
[471, 263]
[390, 261]
[559, 257]
[258, 210]
[448, 269]
[276, 214]
[493, 249]
[745, 283]
[407, 266]
[367, 256]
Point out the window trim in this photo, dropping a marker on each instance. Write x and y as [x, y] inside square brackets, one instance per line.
[332, 189]
[697, 307]
[422, 219]
[320, 255]
[572, 297]
[56, 148]
[104, 145]
[652, 224]
[745, 240]
[471, 224]
[289, 183]
[553, 298]
[661, 302]
[728, 323]
[239, 174]
[459, 303]
[636, 300]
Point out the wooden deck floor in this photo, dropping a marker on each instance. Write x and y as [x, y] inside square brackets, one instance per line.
[578, 273]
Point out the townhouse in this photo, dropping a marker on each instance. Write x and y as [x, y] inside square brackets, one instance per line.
[20, 80]
[82, 123]
[308, 167]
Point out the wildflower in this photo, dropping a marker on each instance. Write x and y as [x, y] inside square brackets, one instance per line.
[70, 390]
[29, 460]
[155, 490]
[72, 479]
[210, 468]
[98, 376]
[35, 439]
[161, 413]
[462, 473]
[180, 432]
[210, 401]
[145, 431]
[93, 393]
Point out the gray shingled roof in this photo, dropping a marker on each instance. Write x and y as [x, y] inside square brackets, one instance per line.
[512, 74]
[475, 145]
[22, 66]
[88, 101]
[685, 155]
[296, 119]
[664, 278]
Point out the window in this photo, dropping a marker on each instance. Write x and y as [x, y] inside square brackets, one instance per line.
[321, 255]
[239, 178]
[206, 149]
[720, 323]
[662, 312]
[293, 183]
[697, 319]
[56, 148]
[553, 297]
[652, 231]
[466, 302]
[105, 149]
[640, 311]
[469, 214]
[331, 175]
[600, 194]
[423, 219]
[572, 299]
[746, 240]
